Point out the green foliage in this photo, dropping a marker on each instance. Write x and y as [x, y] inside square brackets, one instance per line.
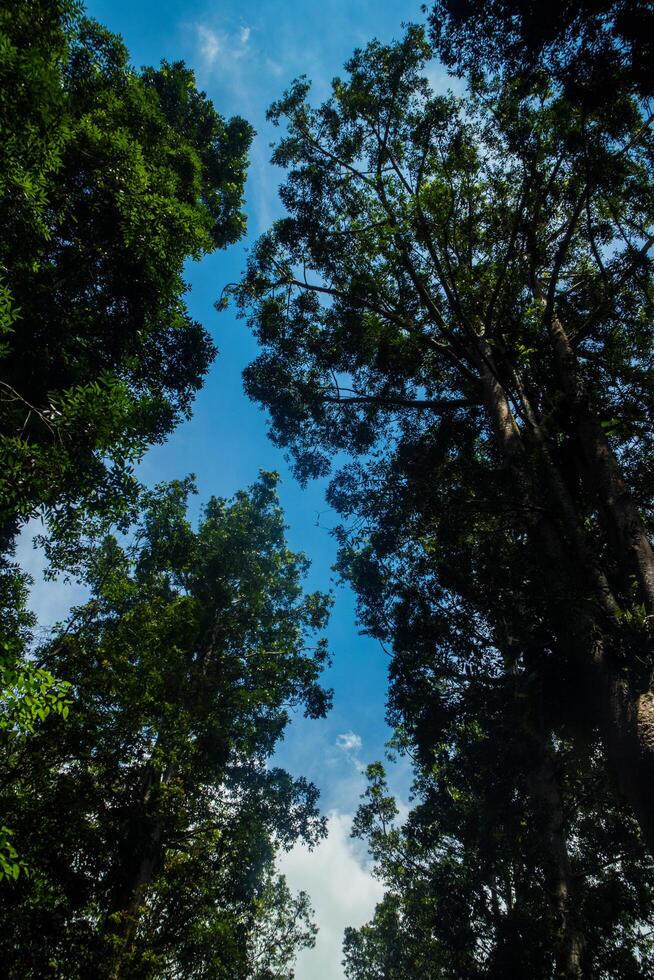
[10, 863]
[150, 819]
[30, 693]
[110, 180]
[459, 299]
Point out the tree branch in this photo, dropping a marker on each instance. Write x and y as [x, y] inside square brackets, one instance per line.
[433, 404]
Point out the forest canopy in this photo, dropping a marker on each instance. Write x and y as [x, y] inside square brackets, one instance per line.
[141, 818]
[453, 320]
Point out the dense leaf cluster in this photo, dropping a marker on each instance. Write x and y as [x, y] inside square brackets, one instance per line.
[150, 818]
[110, 180]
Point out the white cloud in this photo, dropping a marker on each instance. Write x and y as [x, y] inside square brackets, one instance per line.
[350, 745]
[245, 34]
[349, 742]
[343, 893]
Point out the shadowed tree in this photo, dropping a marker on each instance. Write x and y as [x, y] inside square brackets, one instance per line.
[506, 862]
[593, 48]
[470, 890]
[150, 819]
[471, 278]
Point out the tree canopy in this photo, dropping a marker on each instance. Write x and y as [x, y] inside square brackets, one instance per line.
[110, 180]
[148, 820]
[468, 283]
[460, 299]
[454, 319]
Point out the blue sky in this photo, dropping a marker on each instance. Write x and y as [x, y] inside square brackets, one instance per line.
[244, 56]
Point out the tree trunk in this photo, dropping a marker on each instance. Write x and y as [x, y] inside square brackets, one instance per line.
[626, 708]
[125, 908]
[624, 713]
[544, 790]
[626, 722]
[634, 548]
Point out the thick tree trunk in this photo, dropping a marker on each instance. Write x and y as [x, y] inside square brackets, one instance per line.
[624, 713]
[626, 722]
[628, 531]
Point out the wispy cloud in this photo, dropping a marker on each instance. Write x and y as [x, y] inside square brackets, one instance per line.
[219, 50]
[208, 45]
[343, 893]
[274, 67]
[350, 745]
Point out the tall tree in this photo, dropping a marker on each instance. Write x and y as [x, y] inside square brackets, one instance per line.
[471, 279]
[470, 890]
[110, 180]
[504, 866]
[150, 819]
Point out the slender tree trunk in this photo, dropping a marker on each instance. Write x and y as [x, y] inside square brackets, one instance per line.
[125, 929]
[125, 909]
[543, 786]
[507, 433]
